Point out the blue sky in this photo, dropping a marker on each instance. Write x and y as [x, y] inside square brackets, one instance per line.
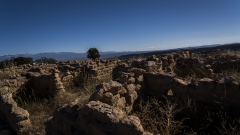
[34, 26]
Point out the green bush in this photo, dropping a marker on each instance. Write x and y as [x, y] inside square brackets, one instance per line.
[15, 62]
[22, 60]
[46, 60]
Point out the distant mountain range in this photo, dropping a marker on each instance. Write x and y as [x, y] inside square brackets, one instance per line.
[231, 46]
[65, 56]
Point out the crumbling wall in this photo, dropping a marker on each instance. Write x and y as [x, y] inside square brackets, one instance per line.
[106, 113]
[110, 105]
[205, 90]
[16, 117]
[13, 84]
[98, 69]
[15, 70]
[46, 85]
[42, 84]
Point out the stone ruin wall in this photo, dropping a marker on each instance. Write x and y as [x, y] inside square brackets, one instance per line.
[159, 77]
[206, 64]
[110, 105]
[43, 84]
[106, 113]
[12, 71]
[98, 70]
[44, 80]
[12, 115]
[205, 90]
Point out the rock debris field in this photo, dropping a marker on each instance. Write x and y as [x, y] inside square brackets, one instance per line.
[182, 74]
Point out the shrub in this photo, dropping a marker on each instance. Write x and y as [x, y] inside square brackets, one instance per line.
[46, 60]
[93, 53]
[159, 117]
[22, 60]
[15, 62]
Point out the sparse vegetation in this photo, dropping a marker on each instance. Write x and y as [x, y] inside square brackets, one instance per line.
[82, 87]
[170, 116]
[3, 76]
[46, 60]
[22, 60]
[46, 107]
[230, 53]
[159, 117]
[6, 64]
[15, 62]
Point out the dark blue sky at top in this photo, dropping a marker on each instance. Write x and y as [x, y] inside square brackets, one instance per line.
[34, 26]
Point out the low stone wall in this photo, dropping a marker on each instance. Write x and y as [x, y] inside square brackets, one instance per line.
[98, 69]
[14, 71]
[43, 85]
[13, 84]
[46, 85]
[110, 105]
[108, 109]
[14, 116]
[205, 90]
[96, 118]
[106, 113]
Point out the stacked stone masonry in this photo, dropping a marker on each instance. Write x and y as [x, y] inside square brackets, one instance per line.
[110, 105]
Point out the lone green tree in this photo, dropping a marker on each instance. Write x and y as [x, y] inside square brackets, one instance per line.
[93, 53]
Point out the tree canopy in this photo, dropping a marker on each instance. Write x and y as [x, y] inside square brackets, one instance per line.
[93, 53]
[46, 60]
[15, 62]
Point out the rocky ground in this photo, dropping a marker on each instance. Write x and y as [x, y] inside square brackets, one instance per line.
[204, 85]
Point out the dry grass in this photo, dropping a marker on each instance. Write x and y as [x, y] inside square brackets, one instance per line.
[46, 108]
[228, 127]
[233, 73]
[41, 109]
[159, 117]
[174, 118]
[230, 53]
[4, 76]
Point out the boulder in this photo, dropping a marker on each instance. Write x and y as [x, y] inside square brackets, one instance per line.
[105, 113]
[139, 79]
[229, 79]
[131, 80]
[123, 78]
[107, 92]
[112, 86]
[130, 88]
[67, 78]
[149, 63]
[130, 98]
[72, 107]
[138, 71]
[179, 88]
[130, 125]
[158, 83]
[206, 84]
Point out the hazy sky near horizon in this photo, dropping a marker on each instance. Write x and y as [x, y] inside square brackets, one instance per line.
[34, 26]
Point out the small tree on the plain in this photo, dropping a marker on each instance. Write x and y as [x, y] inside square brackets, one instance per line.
[46, 60]
[93, 53]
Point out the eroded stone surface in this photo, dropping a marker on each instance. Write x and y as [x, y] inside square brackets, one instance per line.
[13, 115]
[108, 109]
